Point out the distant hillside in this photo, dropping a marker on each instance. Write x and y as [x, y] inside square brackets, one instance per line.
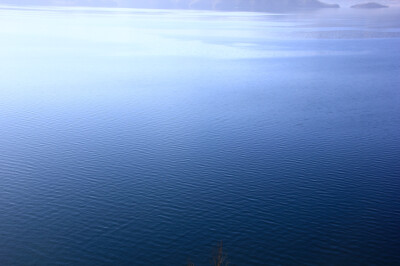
[350, 3]
[240, 5]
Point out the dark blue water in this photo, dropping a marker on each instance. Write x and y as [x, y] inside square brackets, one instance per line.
[133, 137]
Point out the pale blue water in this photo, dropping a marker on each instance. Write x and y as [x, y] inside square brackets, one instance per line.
[133, 137]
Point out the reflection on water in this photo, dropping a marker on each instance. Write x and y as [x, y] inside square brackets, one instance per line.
[145, 137]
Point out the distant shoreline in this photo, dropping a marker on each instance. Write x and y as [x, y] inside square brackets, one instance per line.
[216, 5]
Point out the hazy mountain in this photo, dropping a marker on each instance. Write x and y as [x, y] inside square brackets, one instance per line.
[350, 3]
[244, 5]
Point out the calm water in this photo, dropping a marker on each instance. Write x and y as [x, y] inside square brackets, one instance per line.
[133, 137]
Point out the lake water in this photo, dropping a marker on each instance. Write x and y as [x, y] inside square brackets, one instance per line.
[134, 137]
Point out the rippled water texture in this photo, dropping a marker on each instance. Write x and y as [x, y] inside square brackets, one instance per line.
[133, 137]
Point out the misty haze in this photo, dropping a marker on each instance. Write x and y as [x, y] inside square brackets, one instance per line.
[199, 132]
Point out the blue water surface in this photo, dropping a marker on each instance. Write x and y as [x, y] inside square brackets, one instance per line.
[139, 137]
